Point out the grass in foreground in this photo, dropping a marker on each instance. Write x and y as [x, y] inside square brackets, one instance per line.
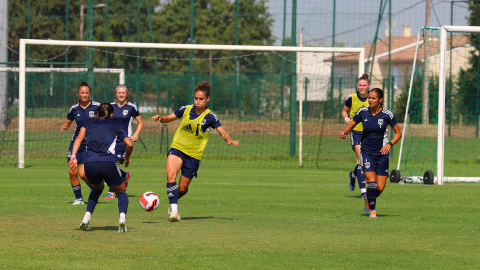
[239, 219]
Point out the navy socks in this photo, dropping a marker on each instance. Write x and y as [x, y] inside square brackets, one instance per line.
[122, 202]
[372, 195]
[93, 199]
[77, 190]
[172, 191]
[360, 177]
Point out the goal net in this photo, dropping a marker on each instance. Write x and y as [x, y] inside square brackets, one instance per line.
[441, 131]
[257, 92]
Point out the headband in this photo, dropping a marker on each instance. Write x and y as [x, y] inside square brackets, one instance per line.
[121, 85]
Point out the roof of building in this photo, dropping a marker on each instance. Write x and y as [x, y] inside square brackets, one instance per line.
[402, 49]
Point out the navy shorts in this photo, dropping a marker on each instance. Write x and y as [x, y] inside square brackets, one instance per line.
[356, 138]
[120, 149]
[377, 163]
[107, 171]
[190, 165]
[81, 153]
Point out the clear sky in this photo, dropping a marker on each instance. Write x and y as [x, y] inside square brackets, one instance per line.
[356, 20]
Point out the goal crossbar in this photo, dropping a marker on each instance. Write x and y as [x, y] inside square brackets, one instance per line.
[25, 42]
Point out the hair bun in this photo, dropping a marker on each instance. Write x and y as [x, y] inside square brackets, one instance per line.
[204, 84]
[364, 76]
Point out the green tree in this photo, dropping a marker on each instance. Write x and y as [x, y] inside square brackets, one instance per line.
[214, 23]
[468, 79]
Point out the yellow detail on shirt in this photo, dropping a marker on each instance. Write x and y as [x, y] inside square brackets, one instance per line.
[189, 137]
[356, 105]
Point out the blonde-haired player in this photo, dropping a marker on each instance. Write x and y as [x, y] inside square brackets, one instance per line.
[188, 144]
[353, 103]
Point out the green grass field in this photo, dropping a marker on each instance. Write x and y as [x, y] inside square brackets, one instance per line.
[239, 219]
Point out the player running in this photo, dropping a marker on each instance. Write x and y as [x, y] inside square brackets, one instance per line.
[353, 103]
[375, 145]
[188, 144]
[83, 110]
[124, 112]
[100, 134]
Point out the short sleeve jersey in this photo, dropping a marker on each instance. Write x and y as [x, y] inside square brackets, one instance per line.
[355, 102]
[349, 103]
[210, 121]
[375, 129]
[81, 115]
[101, 137]
[125, 115]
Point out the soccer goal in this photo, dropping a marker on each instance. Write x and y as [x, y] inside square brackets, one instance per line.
[441, 122]
[257, 93]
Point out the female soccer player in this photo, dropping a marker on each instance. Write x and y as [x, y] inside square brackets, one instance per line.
[353, 103]
[100, 134]
[375, 145]
[83, 110]
[124, 112]
[188, 144]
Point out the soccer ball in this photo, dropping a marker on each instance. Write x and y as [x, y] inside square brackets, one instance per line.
[149, 201]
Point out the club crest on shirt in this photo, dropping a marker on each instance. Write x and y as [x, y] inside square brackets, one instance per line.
[125, 112]
[91, 113]
[380, 122]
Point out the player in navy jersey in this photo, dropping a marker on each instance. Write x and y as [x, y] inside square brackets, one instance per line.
[375, 145]
[353, 103]
[124, 112]
[80, 112]
[101, 134]
[188, 144]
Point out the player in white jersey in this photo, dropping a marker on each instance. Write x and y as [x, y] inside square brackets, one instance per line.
[80, 112]
[124, 112]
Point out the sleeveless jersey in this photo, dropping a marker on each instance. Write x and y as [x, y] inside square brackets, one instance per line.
[190, 138]
[356, 105]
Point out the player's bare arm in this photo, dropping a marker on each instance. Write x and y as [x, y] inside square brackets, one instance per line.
[66, 125]
[165, 119]
[345, 114]
[76, 146]
[398, 135]
[226, 137]
[139, 128]
[347, 130]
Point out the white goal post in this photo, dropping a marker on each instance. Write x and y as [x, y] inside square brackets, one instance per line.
[23, 69]
[442, 75]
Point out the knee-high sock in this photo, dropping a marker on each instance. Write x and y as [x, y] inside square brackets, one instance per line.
[122, 202]
[379, 192]
[355, 171]
[77, 190]
[93, 199]
[172, 191]
[361, 179]
[372, 195]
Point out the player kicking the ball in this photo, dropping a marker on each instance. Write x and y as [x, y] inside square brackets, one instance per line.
[188, 144]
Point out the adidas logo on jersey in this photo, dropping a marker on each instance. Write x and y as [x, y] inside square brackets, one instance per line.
[188, 128]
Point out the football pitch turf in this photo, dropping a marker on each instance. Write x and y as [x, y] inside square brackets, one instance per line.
[239, 219]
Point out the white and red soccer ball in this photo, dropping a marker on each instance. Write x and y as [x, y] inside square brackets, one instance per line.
[149, 201]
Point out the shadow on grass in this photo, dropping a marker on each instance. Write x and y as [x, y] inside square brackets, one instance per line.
[193, 218]
[365, 215]
[105, 228]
